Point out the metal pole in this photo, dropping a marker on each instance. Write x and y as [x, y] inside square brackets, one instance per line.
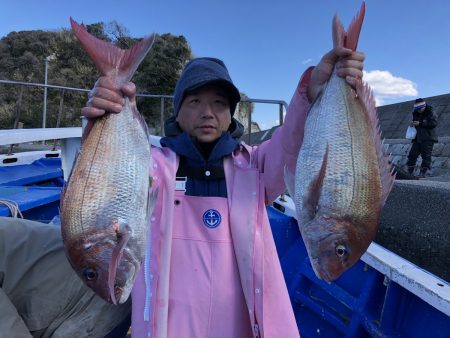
[281, 113]
[162, 116]
[44, 113]
[249, 107]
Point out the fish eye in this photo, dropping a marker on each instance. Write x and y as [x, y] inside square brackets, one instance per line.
[90, 274]
[341, 250]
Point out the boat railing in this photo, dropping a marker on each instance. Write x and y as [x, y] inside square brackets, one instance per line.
[246, 119]
[70, 140]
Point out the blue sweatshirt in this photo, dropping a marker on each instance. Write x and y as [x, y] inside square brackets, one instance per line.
[202, 163]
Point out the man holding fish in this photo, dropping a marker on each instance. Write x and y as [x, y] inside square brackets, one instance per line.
[211, 268]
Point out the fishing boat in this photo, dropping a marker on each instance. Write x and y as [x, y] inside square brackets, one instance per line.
[383, 295]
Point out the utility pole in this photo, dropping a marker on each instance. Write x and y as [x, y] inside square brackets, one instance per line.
[44, 113]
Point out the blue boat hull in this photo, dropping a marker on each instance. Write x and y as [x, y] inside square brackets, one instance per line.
[363, 302]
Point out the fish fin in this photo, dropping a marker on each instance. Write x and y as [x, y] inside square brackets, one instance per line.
[123, 233]
[87, 129]
[61, 197]
[152, 196]
[348, 39]
[66, 183]
[311, 200]
[119, 64]
[365, 95]
[289, 181]
[141, 120]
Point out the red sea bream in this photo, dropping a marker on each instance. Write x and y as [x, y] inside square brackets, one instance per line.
[106, 203]
[343, 174]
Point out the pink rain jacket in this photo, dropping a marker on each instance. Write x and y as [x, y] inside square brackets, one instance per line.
[254, 177]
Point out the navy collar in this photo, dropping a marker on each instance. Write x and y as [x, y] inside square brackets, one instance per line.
[184, 145]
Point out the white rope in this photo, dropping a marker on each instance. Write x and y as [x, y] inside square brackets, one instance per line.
[13, 208]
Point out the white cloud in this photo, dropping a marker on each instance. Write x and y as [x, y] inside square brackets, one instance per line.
[386, 86]
[304, 62]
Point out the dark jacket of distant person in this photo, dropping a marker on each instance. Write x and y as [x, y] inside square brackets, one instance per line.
[426, 130]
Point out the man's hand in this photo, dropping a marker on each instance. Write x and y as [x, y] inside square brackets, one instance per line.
[107, 97]
[349, 65]
[414, 123]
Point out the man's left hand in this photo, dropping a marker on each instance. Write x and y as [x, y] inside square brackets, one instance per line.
[349, 65]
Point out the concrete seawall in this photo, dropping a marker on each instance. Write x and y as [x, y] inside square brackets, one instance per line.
[394, 118]
[415, 224]
[440, 164]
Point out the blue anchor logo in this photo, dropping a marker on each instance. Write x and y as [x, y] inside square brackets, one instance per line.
[211, 218]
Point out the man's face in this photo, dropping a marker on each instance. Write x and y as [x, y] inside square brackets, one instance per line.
[205, 113]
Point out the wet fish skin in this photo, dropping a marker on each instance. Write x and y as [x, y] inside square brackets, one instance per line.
[106, 204]
[343, 175]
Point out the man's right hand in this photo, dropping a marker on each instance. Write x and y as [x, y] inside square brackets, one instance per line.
[106, 96]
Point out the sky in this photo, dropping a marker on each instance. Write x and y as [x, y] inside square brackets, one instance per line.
[267, 44]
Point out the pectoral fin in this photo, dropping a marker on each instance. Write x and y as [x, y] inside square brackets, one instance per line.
[311, 200]
[123, 234]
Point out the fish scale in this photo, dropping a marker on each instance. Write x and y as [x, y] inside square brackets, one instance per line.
[126, 171]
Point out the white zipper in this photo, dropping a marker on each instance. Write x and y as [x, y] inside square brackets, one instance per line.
[256, 330]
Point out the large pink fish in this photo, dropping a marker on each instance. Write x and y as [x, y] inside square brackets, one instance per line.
[106, 204]
[343, 175]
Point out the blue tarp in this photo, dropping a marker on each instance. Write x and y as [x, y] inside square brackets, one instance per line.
[40, 171]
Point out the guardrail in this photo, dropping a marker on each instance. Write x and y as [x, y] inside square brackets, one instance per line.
[282, 105]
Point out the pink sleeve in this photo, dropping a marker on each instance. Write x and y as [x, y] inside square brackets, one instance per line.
[282, 149]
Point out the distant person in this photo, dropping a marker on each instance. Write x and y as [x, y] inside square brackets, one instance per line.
[424, 119]
[41, 295]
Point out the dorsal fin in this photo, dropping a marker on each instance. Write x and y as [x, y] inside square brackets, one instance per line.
[350, 38]
[365, 95]
[119, 64]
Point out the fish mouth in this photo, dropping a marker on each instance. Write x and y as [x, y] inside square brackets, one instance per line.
[117, 298]
[117, 290]
[320, 272]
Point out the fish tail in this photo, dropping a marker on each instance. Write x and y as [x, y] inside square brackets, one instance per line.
[110, 60]
[348, 39]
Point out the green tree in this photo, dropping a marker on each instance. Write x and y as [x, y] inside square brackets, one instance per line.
[23, 58]
[158, 75]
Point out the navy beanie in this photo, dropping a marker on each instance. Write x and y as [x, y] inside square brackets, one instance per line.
[419, 104]
[201, 71]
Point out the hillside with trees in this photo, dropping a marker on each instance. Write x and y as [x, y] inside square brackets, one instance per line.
[23, 55]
